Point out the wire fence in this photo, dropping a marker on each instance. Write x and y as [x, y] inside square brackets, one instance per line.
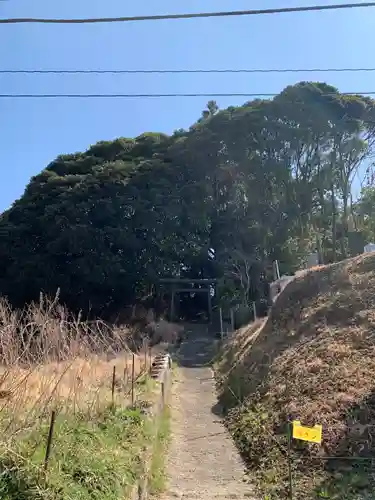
[122, 385]
[60, 377]
[296, 463]
[310, 473]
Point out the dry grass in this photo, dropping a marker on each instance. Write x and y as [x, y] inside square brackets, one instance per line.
[80, 384]
[313, 360]
[50, 360]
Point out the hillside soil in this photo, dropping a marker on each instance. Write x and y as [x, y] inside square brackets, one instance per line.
[312, 360]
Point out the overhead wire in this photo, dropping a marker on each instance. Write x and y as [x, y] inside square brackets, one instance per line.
[180, 16]
[252, 12]
[184, 71]
[146, 96]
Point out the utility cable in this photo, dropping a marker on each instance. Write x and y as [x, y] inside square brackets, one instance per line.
[182, 71]
[283, 10]
[146, 96]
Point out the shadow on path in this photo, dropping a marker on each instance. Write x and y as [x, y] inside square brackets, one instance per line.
[198, 349]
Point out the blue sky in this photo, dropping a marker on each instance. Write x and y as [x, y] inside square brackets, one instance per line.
[35, 131]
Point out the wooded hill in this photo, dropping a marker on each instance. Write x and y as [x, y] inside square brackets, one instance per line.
[267, 180]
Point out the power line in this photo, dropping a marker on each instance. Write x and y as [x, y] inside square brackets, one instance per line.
[283, 10]
[146, 96]
[179, 71]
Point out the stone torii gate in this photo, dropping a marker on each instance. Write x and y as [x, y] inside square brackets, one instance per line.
[180, 285]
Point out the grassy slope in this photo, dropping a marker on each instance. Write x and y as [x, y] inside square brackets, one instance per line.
[312, 360]
[68, 366]
[91, 459]
[94, 455]
[158, 466]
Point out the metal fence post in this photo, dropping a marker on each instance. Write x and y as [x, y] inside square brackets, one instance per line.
[232, 318]
[133, 368]
[113, 385]
[49, 439]
[145, 353]
[150, 356]
[276, 271]
[255, 311]
[290, 460]
[163, 394]
[221, 323]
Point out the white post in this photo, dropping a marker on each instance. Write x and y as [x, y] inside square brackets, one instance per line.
[276, 271]
[254, 311]
[221, 323]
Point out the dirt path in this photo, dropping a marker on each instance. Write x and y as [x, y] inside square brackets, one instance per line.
[203, 461]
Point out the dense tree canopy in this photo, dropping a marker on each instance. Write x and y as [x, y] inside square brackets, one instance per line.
[267, 180]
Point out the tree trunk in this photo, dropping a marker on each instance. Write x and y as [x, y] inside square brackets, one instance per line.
[321, 240]
[344, 236]
[333, 202]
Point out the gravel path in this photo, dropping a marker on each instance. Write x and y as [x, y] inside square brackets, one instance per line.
[203, 461]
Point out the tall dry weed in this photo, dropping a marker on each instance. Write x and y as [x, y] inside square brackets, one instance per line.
[50, 359]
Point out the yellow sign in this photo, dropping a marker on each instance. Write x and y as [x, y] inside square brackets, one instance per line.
[311, 434]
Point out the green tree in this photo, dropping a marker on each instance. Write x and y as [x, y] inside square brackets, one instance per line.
[244, 185]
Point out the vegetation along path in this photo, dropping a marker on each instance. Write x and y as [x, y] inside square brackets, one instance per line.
[203, 461]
